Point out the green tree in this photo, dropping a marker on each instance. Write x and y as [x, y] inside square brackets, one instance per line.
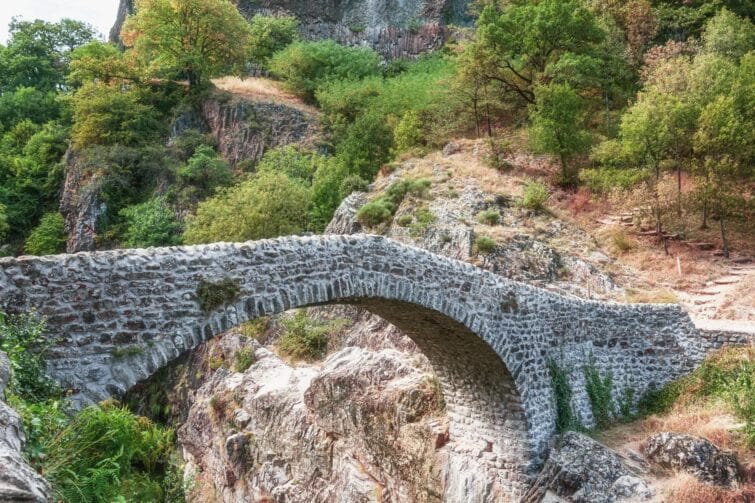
[292, 162]
[270, 34]
[196, 39]
[109, 115]
[267, 205]
[100, 62]
[49, 237]
[152, 223]
[37, 54]
[728, 35]
[206, 171]
[520, 44]
[559, 126]
[305, 66]
[724, 139]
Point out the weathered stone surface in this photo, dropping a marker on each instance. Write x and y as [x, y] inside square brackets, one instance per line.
[81, 205]
[581, 470]
[491, 362]
[394, 29]
[363, 427]
[18, 481]
[695, 455]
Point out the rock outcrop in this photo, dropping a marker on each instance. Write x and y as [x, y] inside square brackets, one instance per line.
[81, 205]
[19, 482]
[394, 29]
[694, 455]
[581, 470]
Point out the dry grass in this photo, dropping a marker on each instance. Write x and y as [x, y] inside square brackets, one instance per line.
[684, 488]
[654, 296]
[261, 89]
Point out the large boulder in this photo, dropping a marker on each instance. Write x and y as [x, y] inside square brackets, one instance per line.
[694, 455]
[581, 470]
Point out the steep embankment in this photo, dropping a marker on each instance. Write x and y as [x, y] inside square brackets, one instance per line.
[394, 29]
[245, 122]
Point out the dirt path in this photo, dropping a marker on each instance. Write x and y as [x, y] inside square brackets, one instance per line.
[730, 296]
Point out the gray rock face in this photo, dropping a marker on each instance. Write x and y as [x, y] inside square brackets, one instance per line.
[487, 338]
[81, 205]
[581, 470]
[19, 482]
[366, 426]
[393, 28]
[695, 455]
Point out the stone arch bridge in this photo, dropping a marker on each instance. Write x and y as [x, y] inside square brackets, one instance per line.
[119, 316]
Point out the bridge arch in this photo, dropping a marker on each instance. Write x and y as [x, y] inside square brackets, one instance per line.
[488, 338]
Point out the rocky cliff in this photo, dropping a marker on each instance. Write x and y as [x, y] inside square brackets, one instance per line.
[394, 28]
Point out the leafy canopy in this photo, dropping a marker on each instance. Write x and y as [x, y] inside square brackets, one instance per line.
[195, 39]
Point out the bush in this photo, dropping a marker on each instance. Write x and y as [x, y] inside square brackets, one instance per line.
[49, 237]
[423, 219]
[184, 145]
[489, 217]
[604, 180]
[4, 227]
[265, 206]
[375, 212]
[408, 132]
[599, 392]
[150, 224]
[206, 171]
[485, 245]
[270, 34]
[304, 338]
[292, 162]
[23, 339]
[620, 240]
[354, 183]
[562, 394]
[213, 295]
[243, 359]
[535, 195]
[305, 66]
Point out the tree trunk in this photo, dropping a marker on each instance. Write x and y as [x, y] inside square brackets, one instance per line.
[723, 234]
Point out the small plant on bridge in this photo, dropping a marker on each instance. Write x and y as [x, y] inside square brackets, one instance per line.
[213, 295]
[562, 395]
[599, 391]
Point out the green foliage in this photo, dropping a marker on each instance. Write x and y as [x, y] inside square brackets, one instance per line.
[189, 141]
[152, 223]
[423, 219]
[383, 208]
[270, 34]
[291, 161]
[604, 180]
[485, 245]
[599, 391]
[49, 237]
[206, 171]
[365, 146]
[24, 340]
[105, 115]
[267, 205]
[305, 338]
[726, 377]
[562, 395]
[534, 196]
[4, 227]
[194, 39]
[305, 66]
[558, 125]
[408, 132]
[98, 61]
[38, 53]
[489, 217]
[214, 294]
[728, 35]
[243, 359]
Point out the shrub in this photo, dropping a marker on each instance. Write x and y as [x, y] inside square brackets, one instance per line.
[206, 171]
[599, 392]
[485, 245]
[305, 66]
[534, 196]
[408, 132]
[152, 223]
[354, 183]
[270, 34]
[405, 220]
[562, 394]
[4, 227]
[23, 339]
[48, 237]
[292, 162]
[186, 144]
[243, 359]
[305, 338]
[423, 219]
[620, 240]
[375, 212]
[267, 205]
[213, 294]
[489, 217]
[604, 180]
